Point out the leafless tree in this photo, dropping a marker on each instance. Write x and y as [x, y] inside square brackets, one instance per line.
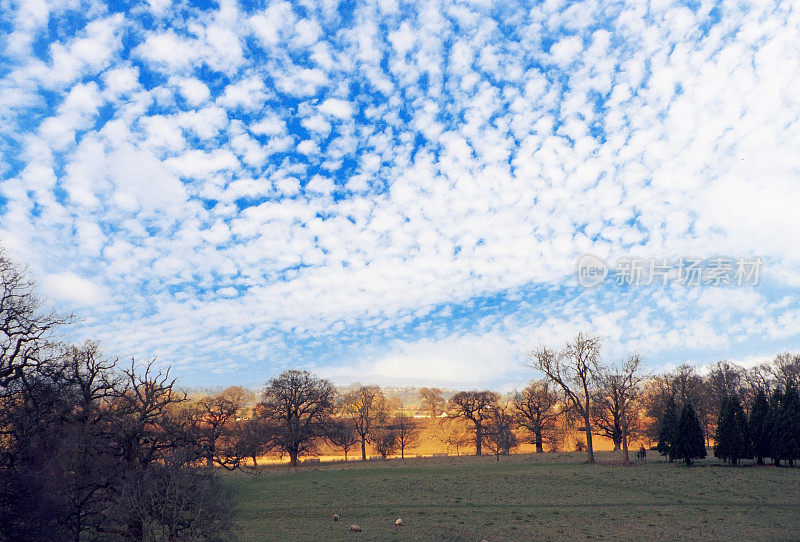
[573, 371]
[476, 408]
[431, 401]
[24, 329]
[384, 439]
[785, 369]
[500, 430]
[619, 387]
[217, 414]
[366, 407]
[536, 410]
[451, 433]
[408, 432]
[246, 439]
[343, 435]
[298, 407]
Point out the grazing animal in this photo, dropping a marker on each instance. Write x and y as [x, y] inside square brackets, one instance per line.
[398, 522]
[336, 517]
[641, 455]
[355, 529]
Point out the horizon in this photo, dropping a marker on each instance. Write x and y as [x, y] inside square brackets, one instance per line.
[405, 195]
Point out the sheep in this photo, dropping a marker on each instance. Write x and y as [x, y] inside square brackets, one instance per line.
[355, 529]
[336, 517]
[398, 522]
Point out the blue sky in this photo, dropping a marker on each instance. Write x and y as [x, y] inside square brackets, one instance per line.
[396, 192]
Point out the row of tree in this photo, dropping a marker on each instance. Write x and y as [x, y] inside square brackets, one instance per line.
[87, 446]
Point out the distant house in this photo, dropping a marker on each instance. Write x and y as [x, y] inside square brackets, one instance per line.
[421, 415]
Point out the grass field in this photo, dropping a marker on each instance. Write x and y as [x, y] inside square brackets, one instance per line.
[524, 497]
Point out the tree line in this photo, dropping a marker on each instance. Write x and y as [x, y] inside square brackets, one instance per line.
[92, 445]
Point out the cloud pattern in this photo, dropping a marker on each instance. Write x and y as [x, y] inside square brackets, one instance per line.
[396, 191]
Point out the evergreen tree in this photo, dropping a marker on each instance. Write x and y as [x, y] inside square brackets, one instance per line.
[688, 442]
[775, 401]
[787, 427]
[666, 430]
[758, 427]
[732, 436]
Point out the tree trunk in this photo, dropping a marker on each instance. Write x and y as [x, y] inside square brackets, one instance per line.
[478, 439]
[539, 448]
[255, 461]
[363, 449]
[625, 457]
[293, 459]
[589, 447]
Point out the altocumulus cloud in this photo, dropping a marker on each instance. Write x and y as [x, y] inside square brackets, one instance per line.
[400, 188]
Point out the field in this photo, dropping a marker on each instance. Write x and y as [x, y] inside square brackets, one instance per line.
[523, 497]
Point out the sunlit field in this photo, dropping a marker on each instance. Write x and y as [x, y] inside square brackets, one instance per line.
[523, 497]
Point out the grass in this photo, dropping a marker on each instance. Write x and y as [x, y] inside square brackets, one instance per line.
[524, 497]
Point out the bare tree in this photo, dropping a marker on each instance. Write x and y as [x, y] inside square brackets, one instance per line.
[343, 435]
[500, 431]
[384, 439]
[407, 432]
[476, 408]
[451, 432]
[785, 369]
[619, 388]
[246, 439]
[573, 370]
[298, 406]
[217, 413]
[536, 410]
[431, 401]
[24, 330]
[366, 406]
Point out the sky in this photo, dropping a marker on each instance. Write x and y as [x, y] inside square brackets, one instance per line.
[400, 193]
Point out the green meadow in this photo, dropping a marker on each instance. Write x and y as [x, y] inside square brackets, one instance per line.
[522, 497]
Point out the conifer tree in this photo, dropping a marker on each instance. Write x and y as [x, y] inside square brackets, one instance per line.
[689, 443]
[775, 402]
[732, 436]
[666, 430]
[787, 426]
[758, 427]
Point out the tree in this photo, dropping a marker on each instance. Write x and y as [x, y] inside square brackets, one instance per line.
[500, 431]
[366, 406]
[688, 441]
[785, 369]
[667, 428]
[537, 410]
[217, 413]
[247, 439]
[384, 439]
[451, 432]
[298, 406]
[775, 406]
[619, 387]
[573, 371]
[731, 437]
[691, 388]
[343, 435]
[431, 401]
[758, 427]
[476, 408]
[24, 329]
[786, 429]
[407, 432]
